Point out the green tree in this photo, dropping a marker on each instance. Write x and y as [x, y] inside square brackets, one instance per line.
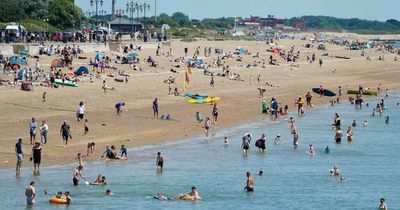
[181, 19]
[64, 15]
[35, 9]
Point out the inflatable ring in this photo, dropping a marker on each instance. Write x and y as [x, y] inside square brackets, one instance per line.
[57, 200]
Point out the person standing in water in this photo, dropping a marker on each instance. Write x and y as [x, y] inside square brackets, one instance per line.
[246, 143]
[382, 205]
[349, 134]
[338, 135]
[36, 157]
[207, 126]
[260, 143]
[20, 155]
[249, 183]
[295, 139]
[77, 175]
[159, 161]
[30, 194]
[308, 99]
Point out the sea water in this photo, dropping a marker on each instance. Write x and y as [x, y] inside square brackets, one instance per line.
[292, 178]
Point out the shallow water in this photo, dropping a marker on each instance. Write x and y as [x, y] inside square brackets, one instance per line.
[292, 180]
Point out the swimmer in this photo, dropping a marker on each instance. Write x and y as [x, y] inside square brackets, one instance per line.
[192, 195]
[160, 196]
[277, 139]
[327, 150]
[261, 173]
[354, 124]
[336, 170]
[249, 183]
[108, 192]
[387, 120]
[342, 178]
[365, 124]
[226, 140]
[382, 205]
[68, 198]
[59, 195]
[312, 152]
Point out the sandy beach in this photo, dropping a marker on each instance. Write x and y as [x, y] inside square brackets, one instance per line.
[239, 102]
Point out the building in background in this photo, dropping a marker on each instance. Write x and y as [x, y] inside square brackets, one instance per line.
[125, 25]
[298, 24]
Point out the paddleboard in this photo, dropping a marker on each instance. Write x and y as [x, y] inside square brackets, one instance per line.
[326, 92]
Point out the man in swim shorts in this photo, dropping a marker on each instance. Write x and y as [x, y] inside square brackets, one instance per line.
[160, 161]
[77, 175]
[30, 194]
[249, 183]
[20, 154]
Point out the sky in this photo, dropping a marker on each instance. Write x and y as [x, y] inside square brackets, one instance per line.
[199, 9]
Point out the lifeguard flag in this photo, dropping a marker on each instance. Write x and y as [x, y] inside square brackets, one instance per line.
[187, 79]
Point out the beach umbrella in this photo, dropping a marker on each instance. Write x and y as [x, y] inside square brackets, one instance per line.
[99, 56]
[134, 54]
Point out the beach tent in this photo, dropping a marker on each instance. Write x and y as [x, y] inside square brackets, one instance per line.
[321, 47]
[81, 71]
[21, 73]
[99, 56]
[57, 63]
[134, 54]
[367, 46]
[18, 60]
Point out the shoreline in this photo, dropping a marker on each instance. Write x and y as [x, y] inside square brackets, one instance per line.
[240, 125]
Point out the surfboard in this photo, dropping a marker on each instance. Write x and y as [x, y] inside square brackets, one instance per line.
[326, 92]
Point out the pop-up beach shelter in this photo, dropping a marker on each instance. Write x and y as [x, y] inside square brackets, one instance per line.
[99, 56]
[81, 71]
[57, 63]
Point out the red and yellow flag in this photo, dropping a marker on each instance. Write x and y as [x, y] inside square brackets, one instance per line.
[187, 79]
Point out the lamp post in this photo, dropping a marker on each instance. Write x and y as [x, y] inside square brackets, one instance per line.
[143, 8]
[155, 11]
[131, 8]
[96, 3]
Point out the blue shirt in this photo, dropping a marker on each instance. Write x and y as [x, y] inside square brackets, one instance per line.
[18, 146]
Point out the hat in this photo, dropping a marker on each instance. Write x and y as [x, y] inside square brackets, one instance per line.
[37, 142]
[278, 135]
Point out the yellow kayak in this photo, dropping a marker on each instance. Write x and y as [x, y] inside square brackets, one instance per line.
[206, 100]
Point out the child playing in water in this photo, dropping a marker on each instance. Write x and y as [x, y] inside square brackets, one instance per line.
[80, 159]
[387, 120]
[226, 140]
[312, 152]
[123, 151]
[365, 123]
